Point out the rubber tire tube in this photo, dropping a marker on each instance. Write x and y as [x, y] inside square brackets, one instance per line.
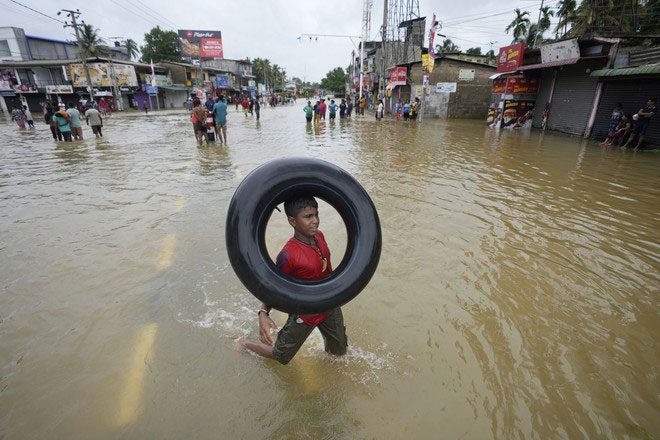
[250, 209]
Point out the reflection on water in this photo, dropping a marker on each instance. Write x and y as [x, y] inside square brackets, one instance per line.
[517, 294]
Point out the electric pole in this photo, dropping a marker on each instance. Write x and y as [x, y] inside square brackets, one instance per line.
[383, 52]
[82, 52]
[538, 23]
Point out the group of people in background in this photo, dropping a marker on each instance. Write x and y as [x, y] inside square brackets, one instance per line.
[65, 121]
[626, 130]
[317, 112]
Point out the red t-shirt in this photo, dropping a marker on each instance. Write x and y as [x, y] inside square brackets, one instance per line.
[322, 107]
[303, 261]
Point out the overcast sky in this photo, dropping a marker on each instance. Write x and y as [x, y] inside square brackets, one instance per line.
[270, 28]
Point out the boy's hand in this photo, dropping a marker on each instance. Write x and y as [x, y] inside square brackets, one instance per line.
[266, 326]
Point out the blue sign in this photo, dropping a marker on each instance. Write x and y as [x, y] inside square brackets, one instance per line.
[152, 90]
[7, 93]
[222, 81]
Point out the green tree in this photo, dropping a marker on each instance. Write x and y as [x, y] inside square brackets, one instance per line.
[93, 45]
[131, 48]
[335, 81]
[519, 25]
[565, 13]
[649, 21]
[473, 51]
[160, 45]
[544, 23]
[447, 46]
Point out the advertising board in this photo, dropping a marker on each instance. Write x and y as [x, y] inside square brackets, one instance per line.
[510, 57]
[200, 44]
[397, 76]
[100, 75]
[560, 51]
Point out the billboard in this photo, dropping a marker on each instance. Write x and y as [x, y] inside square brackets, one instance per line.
[397, 76]
[510, 57]
[560, 51]
[517, 113]
[100, 75]
[200, 44]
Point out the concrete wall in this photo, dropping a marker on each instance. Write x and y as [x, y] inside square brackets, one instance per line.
[471, 98]
[15, 39]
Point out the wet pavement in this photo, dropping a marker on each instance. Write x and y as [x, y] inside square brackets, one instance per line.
[517, 294]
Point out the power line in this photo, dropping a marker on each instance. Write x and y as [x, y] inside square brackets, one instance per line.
[157, 13]
[139, 14]
[38, 12]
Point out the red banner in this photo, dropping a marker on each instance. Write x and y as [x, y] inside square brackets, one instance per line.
[397, 76]
[211, 48]
[516, 85]
[510, 57]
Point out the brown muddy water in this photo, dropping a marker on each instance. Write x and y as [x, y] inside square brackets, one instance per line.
[517, 294]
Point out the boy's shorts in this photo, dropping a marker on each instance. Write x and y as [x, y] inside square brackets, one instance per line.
[96, 129]
[294, 333]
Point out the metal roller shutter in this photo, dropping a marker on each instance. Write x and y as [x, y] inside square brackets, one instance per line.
[633, 94]
[543, 96]
[573, 98]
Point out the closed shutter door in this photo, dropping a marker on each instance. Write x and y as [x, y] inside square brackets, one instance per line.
[633, 94]
[543, 96]
[573, 98]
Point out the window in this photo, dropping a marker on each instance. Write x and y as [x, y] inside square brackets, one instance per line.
[4, 49]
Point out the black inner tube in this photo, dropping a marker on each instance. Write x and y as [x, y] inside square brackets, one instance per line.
[251, 208]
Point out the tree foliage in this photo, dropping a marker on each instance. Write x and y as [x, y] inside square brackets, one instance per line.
[131, 48]
[271, 75]
[92, 43]
[473, 51]
[519, 26]
[447, 46]
[335, 81]
[160, 45]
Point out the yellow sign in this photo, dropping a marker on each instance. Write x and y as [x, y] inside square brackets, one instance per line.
[427, 62]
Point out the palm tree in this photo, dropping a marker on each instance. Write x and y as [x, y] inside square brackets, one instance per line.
[447, 46]
[131, 48]
[92, 43]
[519, 25]
[565, 13]
[544, 22]
[531, 35]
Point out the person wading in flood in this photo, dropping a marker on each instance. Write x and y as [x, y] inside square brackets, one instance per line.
[220, 116]
[305, 256]
[199, 115]
[309, 112]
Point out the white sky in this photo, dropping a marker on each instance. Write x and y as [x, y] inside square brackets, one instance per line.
[270, 28]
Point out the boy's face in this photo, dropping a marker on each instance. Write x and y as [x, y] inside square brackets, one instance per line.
[306, 222]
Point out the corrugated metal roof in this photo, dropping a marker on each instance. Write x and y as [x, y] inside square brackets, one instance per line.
[649, 69]
[550, 64]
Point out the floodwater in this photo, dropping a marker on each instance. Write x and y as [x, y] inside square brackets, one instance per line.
[517, 294]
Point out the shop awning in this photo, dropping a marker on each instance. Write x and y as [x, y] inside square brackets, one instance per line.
[186, 88]
[550, 64]
[649, 69]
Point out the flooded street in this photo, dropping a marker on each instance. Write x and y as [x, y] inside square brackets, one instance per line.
[517, 294]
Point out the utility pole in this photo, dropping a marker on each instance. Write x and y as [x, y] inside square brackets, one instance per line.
[82, 52]
[113, 77]
[383, 52]
[536, 35]
[366, 28]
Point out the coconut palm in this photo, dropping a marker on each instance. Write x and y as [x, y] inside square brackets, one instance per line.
[531, 35]
[544, 22]
[131, 48]
[92, 43]
[602, 16]
[565, 13]
[519, 25]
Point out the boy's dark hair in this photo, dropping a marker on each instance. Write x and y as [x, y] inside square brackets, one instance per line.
[71, 105]
[293, 206]
[653, 100]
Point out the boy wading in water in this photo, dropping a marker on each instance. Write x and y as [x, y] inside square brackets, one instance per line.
[305, 256]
